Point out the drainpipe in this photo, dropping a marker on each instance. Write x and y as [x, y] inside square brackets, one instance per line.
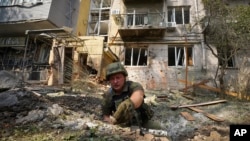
[204, 62]
[134, 19]
[196, 10]
[204, 57]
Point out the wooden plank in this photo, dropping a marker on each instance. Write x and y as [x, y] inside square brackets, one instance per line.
[210, 88]
[211, 116]
[187, 116]
[198, 104]
[195, 84]
[162, 96]
[188, 97]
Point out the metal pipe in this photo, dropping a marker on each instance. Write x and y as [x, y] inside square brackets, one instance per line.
[46, 30]
[134, 19]
[24, 56]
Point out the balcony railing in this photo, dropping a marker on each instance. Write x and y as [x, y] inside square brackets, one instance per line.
[138, 20]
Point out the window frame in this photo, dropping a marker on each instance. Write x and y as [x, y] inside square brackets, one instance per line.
[180, 55]
[174, 10]
[135, 54]
[231, 63]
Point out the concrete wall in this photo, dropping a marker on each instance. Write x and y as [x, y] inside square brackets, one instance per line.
[94, 47]
[83, 15]
[70, 13]
[27, 12]
[64, 13]
[157, 75]
[238, 78]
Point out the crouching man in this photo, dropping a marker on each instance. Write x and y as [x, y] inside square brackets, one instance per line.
[123, 103]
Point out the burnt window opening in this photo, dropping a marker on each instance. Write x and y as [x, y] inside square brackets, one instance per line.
[136, 56]
[11, 58]
[39, 61]
[180, 15]
[41, 54]
[228, 58]
[177, 56]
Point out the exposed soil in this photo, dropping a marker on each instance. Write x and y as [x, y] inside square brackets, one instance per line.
[43, 113]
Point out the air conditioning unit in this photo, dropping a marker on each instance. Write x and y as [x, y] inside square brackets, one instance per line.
[171, 24]
[115, 11]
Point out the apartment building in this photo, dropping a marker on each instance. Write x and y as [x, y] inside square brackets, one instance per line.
[160, 41]
[45, 40]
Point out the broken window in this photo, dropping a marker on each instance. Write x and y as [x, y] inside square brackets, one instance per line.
[140, 19]
[177, 56]
[228, 58]
[136, 56]
[180, 14]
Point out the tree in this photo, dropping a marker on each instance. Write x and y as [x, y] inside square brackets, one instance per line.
[227, 29]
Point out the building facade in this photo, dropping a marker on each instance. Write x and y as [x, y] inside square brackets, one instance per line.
[40, 39]
[160, 41]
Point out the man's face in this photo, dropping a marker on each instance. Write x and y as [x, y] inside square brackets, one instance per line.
[117, 82]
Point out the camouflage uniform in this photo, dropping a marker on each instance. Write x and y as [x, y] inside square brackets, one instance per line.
[130, 116]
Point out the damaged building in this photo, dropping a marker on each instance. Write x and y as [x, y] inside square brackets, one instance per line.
[159, 41]
[44, 40]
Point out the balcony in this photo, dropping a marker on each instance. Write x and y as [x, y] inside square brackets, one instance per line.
[140, 26]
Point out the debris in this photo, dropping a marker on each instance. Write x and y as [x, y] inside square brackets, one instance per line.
[188, 97]
[56, 94]
[55, 110]
[34, 115]
[7, 99]
[8, 80]
[210, 88]
[156, 132]
[211, 116]
[36, 93]
[162, 96]
[187, 116]
[195, 84]
[199, 104]
[151, 100]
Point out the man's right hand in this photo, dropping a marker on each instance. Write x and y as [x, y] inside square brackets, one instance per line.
[109, 119]
[124, 111]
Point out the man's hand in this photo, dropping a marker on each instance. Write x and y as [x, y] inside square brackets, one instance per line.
[109, 119]
[124, 112]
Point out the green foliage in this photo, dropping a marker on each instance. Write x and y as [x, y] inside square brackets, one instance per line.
[215, 7]
[228, 25]
[227, 30]
[242, 16]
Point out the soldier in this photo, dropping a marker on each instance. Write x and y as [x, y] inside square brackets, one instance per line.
[123, 103]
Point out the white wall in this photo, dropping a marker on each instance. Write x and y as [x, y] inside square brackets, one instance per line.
[158, 75]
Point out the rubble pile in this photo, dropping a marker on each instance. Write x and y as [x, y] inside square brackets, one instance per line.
[39, 112]
[8, 80]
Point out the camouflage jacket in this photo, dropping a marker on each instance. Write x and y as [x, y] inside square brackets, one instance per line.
[111, 100]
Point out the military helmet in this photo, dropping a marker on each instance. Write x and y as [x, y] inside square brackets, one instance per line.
[114, 68]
